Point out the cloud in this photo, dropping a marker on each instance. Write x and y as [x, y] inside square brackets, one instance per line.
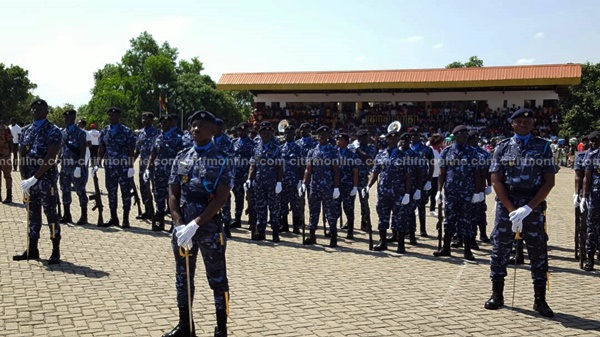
[415, 38]
[359, 58]
[539, 35]
[525, 61]
[438, 46]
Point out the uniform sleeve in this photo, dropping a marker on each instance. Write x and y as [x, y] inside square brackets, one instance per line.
[101, 137]
[254, 156]
[588, 161]
[548, 165]
[227, 177]
[376, 165]
[138, 142]
[496, 165]
[55, 137]
[174, 178]
[443, 157]
[132, 138]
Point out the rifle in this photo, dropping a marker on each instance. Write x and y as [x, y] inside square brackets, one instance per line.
[324, 221]
[250, 210]
[577, 229]
[582, 237]
[302, 219]
[440, 225]
[150, 202]
[368, 220]
[97, 198]
[136, 197]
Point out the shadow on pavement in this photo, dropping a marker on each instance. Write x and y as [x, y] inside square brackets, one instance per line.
[566, 320]
[71, 268]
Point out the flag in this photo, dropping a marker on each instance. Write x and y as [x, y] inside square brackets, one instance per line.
[166, 104]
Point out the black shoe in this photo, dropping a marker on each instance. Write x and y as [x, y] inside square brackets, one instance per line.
[363, 225]
[393, 238]
[445, 251]
[468, 255]
[8, 199]
[344, 226]
[589, 263]
[401, 246]
[143, 216]
[311, 239]
[412, 239]
[220, 333]
[497, 299]
[221, 328]
[66, 216]
[540, 304]
[484, 238]
[34, 253]
[275, 236]
[158, 222]
[55, 256]
[284, 225]
[183, 328]
[237, 223]
[227, 231]
[296, 225]
[423, 230]
[125, 220]
[458, 243]
[83, 220]
[382, 244]
[474, 244]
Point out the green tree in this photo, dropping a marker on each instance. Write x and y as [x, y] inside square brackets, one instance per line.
[55, 114]
[15, 92]
[473, 62]
[581, 104]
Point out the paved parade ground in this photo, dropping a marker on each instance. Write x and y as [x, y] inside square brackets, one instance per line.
[115, 282]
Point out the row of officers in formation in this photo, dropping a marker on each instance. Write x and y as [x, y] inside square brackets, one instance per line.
[193, 172]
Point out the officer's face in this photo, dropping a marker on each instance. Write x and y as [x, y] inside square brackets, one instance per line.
[242, 133]
[392, 142]
[404, 143]
[39, 112]
[461, 137]
[69, 119]
[266, 135]
[114, 117]
[202, 131]
[595, 142]
[324, 137]
[165, 125]
[290, 136]
[522, 126]
[416, 137]
[147, 121]
[341, 142]
[305, 132]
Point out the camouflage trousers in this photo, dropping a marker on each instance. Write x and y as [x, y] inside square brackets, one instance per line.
[43, 194]
[66, 178]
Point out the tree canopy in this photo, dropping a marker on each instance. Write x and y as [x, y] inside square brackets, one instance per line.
[473, 62]
[15, 92]
[581, 104]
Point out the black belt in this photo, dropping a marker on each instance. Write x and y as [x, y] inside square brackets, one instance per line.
[521, 192]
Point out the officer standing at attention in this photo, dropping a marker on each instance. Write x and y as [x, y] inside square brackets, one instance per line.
[73, 169]
[223, 143]
[200, 183]
[480, 208]
[143, 146]
[6, 146]
[116, 150]
[591, 198]
[425, 164]
[523, 175]
[291, 154]
[40, 144]
[162, 156]
[366, 154]
[322, 171]
[243, 149]
[348, 183]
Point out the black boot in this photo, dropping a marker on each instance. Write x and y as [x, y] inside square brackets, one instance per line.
[589, 263]
[34, 253]
[333, 240]
[143, 216]
[183, 328]
[55, 256]
[497, 299]
[227, 230]
[363, 225]
[412, 239]
[350, 234]
[158, 222]
[382, 244]
[66, 216]
[519, 258]
[445, 248]
[237, 222]
[540, 304]
[8, 199]
[126, 219]
[401, 247]
[423, 231]
[255, 236]
[468, 255]
[276, 234]
[285, 226]
[311, 239]
[474, 244]
[457, 243]
[394, 237]
[482, 236]
[113, 221]
[296, 224]
[221, 328]
[83, 220]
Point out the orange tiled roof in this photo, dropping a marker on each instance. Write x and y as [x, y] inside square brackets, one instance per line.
[535, 75]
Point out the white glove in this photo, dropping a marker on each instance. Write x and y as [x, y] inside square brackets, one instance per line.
[488, 190]
[427, 186]
[354, 191]
[417, 195]
[336, 193]
[439, 198]
[130, 172]
[481, 196]
[301, 189]
[146, 175]
[365, 191]
[299, 184]
[185, 235]
[519, 214]
[27, 183]
[94, 170]
[278, 188]
[247, 185]
[77, 172]
[475, 198]
[406, 199]
[582, 205]
[575, 200]
[517, 226]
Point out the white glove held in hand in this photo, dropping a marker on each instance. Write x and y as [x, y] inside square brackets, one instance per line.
[475, 198]
[517, 226]
[575, 200]
[519, 214]
[247, 185]
[300, 182]
[427, 186]
[582, 204]
[130, 172]
[301, 189]
[94, 170]
[365, 192]
[146, 175]
[27, 184]
[439, 197]
[185, 235]
[336, 193]
[278, 187]
[417, 195]
[406, 199]
[354, 191]
[77, 172]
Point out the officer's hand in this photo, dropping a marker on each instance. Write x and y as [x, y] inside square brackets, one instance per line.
[185, 235]
[247, 185]
[94, 170]
[519, 214]
[278, 187]
[299, 184]
[354, 191]
[365, 192]
[27, 183]
[130, 172]
[427, 186]
[146, 175]
[475, 198]
[575, 200]
[488, 190]
[481, 196]
[517, 226]
[582, 204]
[336, 193]
[302, 189]
[439, 197]
[417, 195]
[406, 199]
[77, 172]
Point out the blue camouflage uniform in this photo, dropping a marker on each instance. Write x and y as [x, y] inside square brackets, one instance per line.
[424, 155]
[36, 138]
[116, 140]
[165, 147]
[198, 171]
[460, 162]
[187, 139]
[480, 208]
[408, 218]
[523, 164]
[391, 166]
[243, 150]
[591, 162]
[321, 159]
[72, 136]
[223, 143]
[267, 158]
[347, 163]
[364, 169]
[291, 155]
[143, 145]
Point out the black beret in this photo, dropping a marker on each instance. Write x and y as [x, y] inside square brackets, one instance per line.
[70, 112]
[113, 110]
[265, 126]
[343, 136]
[202, 115]
[305, 126]
[393, 133]
[361, 133]
[243, 126]
[594, 134]
[219, 122]
[459, 129]
[474, 133]
[40, 102]
[147, 114]
[323, 129]
[526, 113]
[164, 118]
[405, 136]
[82, 121]
[290, 128]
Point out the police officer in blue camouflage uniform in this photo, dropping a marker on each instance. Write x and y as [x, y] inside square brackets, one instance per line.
[393, 177]
[591, 198]
[366, 154]
[242, 151]
[348, 166]
[200, 183]
[73, 169]
[425, 157]
[579, 170]
[291, 155]
[480, 208]
[265, 179]
[162, 155]
[223, 143]
[143, 146]
[38, 148]
[116, 149]
[523, 175]
[187, 139]
[458, 188]
[322, 172]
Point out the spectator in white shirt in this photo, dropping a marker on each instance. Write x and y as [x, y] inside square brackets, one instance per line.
[95, 143]
[15, 130]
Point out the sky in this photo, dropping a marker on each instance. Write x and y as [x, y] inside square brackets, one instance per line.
[63, 42]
